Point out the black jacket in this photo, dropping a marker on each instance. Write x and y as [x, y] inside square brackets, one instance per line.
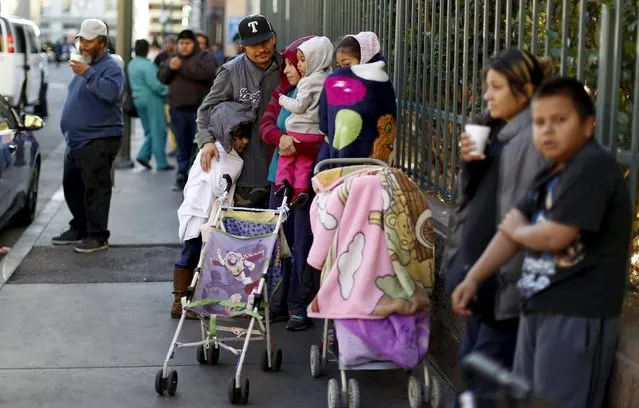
[191, 83]
[472, 225]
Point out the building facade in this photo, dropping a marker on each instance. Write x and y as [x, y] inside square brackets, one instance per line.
[62, 18]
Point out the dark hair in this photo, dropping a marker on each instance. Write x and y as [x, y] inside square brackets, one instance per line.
[349, 45]
[572, 89]
[141, 48]
[155, 43]
[520, 69]
[203, 36]
[242, 132]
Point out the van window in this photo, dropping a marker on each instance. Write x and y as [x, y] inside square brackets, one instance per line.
[35, 47]
[21, 40]
[1, 36]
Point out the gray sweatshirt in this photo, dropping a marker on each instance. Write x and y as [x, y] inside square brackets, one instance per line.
[242, 81]
[520, 163]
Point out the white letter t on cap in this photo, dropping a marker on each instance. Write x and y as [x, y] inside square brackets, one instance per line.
[253, 25]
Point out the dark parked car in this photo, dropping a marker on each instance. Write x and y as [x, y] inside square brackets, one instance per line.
[19, 165]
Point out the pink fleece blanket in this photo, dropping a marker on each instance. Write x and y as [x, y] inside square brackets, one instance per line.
[373, 242]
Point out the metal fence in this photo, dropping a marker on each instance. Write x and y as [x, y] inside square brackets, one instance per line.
[436, 50]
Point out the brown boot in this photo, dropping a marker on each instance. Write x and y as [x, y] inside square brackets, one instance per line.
[181, 281]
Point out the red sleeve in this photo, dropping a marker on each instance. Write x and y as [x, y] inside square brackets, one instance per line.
[269, 132]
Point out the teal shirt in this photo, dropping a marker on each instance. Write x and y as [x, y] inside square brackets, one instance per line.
[145, 85]
[281, 123]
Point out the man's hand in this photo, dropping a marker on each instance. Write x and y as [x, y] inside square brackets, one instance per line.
[175, 64]
[462, 296]
[287, 145]
[209, 152]
[513, 220]
[79, 67]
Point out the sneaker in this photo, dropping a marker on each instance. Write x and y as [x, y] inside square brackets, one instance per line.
[144, 164]
[298, 323]
[68, 237]
[90, 245]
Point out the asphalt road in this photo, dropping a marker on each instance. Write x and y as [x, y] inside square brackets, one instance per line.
[50, 139]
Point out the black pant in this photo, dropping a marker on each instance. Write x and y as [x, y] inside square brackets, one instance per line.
[88, 185]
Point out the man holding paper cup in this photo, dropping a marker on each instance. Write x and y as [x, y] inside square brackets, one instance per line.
[92, 126]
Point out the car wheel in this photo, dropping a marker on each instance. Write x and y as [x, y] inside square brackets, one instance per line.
[27, 213]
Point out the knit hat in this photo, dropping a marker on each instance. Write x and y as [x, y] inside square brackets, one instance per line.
[369, 46]
[187, 35]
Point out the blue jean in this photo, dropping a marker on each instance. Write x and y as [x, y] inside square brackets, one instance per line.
[190, 255]
[290, 296]
[496, 341]
[184, 128]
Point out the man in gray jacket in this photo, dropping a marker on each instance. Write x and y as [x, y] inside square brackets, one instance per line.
[250, 78]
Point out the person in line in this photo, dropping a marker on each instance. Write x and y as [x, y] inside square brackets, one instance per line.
[92, 125]
[200, 192]
[492, 183]
[287, 303]
[170, 48]
[575, 223]
[189, 75]
[314, 64]
[357, 108]
[149, 96]
[249, 78]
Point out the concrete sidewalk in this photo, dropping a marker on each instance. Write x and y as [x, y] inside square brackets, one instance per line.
[92, 330]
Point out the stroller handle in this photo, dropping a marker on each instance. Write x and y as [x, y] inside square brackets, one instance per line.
[352, 161]
[229, 182]
[477, 364]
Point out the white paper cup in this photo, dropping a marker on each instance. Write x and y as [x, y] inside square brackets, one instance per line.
[479, 135]
[75, 57]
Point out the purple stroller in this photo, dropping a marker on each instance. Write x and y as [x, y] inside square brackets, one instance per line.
[241, 251]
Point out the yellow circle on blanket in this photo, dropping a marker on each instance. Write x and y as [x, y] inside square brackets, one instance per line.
[348, 126]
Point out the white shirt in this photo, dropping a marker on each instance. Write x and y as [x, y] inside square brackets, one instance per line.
[202, 189]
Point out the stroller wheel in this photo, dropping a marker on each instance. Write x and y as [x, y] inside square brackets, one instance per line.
[316, 361]
[213, 354]
[199, 354]
[234, 393]
[245, 392]
[415, 392]
[353, 393]
[434, 393]
[159, 383]
[276, 360]
[171, 383]
[334, 394]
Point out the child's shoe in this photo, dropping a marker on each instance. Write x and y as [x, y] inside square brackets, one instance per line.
[300, 199]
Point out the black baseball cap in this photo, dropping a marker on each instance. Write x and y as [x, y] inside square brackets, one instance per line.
[255, 29]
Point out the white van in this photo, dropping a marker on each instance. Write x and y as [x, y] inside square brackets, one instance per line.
[21, 62]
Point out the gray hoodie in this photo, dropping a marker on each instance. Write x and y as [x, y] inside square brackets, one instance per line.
[520, 163]
[226, 118]
[304, 108]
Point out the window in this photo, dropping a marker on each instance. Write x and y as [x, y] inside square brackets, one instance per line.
[2, 23]
[35, 47]
[7, 118]
[21, 40]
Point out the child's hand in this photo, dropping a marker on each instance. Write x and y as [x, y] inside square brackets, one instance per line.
[513, 220]
[462, 296]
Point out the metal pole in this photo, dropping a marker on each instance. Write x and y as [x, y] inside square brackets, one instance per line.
[123, 45]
